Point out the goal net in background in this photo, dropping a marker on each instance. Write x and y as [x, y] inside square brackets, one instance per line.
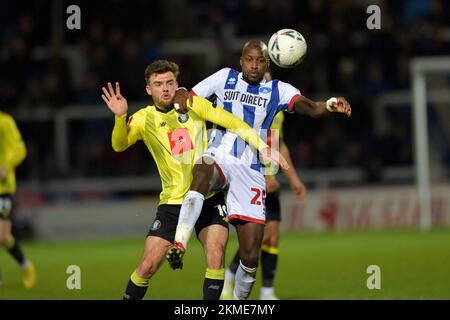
[431, 130]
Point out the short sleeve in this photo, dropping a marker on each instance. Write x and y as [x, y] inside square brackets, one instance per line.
[288, 94]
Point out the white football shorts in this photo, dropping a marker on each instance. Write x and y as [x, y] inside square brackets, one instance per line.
[246, 187]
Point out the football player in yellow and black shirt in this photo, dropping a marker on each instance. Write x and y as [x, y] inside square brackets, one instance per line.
[269, 247]
[12, 153]
[176, 142]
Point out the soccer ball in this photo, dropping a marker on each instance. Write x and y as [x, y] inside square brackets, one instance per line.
[287, 48]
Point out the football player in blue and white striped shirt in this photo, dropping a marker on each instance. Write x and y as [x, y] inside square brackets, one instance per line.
[230, 163]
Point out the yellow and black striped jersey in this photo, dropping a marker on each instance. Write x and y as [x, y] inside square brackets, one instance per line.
[12, 152]
[176, 144]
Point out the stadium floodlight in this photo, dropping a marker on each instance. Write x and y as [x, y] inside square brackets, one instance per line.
[420, 68]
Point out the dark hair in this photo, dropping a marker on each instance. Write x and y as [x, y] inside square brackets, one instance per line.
[161, 66]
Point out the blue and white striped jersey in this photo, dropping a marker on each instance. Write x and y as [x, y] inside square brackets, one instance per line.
[256, 105]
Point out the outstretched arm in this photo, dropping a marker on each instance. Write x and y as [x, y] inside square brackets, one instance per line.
[317, 109]
[122, 137]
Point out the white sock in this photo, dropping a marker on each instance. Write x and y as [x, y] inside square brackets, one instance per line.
[266, 291]
[243, 283]
[229, 277]
[189, 213]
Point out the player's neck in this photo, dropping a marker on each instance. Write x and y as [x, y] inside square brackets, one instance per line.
[253, 83]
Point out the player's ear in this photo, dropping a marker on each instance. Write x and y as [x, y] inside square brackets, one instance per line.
[240, 61]
[149, 91]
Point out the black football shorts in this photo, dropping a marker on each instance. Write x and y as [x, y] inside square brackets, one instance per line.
[166, 220]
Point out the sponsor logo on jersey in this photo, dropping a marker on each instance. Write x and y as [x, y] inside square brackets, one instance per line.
[231, 81]
[245, 98]
[183, 118]
[180, 141]
[265, 89]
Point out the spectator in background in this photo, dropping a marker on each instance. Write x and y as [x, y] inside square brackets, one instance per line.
[132, 64]
[15, 70]
[415, 9]
[362, 62]
[253, 18]
[150, 46]
[375, 83]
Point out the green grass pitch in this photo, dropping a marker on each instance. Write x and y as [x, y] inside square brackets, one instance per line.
[414, 265]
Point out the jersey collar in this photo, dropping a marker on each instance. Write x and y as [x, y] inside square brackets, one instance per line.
[164, 111]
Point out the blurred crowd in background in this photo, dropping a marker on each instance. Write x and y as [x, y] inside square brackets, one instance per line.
[47, 69]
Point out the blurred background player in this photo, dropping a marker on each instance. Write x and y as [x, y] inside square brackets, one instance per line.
[12, 153]
[256, 101]
[175, 141]
[269, 247]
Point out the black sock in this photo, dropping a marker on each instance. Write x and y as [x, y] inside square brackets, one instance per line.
[212, 288]
[235, 263]
[268, 265]
[15, 250]
[136, 288]
[213, 284]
